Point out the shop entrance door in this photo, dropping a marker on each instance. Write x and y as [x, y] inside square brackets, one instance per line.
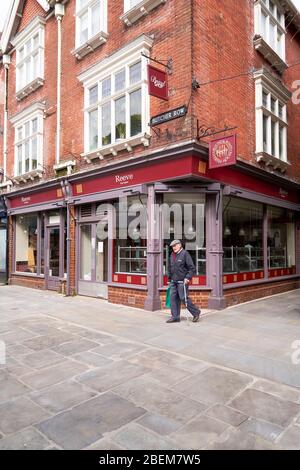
[3, 274]
[53, 255]
[93, 262]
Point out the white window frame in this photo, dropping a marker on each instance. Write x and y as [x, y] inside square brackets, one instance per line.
[276, 92]
[36, 27]
[262, 7]
[127, 5]
[38, 134]
[87, 7]
[124, 58]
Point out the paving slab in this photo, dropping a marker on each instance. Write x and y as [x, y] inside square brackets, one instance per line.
[214, 385]
[264, 406]
[11, 387]
[19, 414]
[41, 359]
[159, 424]
[48, 341]
[87, 423]
[234, 439]
[136, 437]
[62, 396]
[28, 439]
[227, 415]
[290, 439]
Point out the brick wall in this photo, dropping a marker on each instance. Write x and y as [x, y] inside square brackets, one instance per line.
[124, 296]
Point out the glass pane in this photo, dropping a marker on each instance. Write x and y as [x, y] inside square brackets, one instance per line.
[84, 28]
[265, 99]
[36, 41]
[86, 253]
[21, 53]
[28, 47]
[271, 7]
[93, 94]
[135, 73]
[27, 128]
[93, 130]
[273, 137]
[26, 243]
[120, 112]
[132, 3]
[28, 70]
[34, 153]
[242, 236]
[272, 40]
[19, 133]
[34, 125]
[265, 133]
[264, 26]
[27, 159]
[19, 163]
[106, 124]
[120, 80]
[281, 142]
[35, 59]
[106, 87]
[281, 238]
[42, 246]
[3, 248]
[135, 113]
[101, 260]
[273, 105]
[96, 18]
[54, 251]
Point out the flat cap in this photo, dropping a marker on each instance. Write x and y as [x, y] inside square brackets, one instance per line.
[175, 242]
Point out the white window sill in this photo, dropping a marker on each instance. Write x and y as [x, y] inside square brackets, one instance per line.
[113, 149]
[269, 54]
[29, 88]
[30, 176]
[65, 165]
[270, 161]
[138, 11]
[90, 45]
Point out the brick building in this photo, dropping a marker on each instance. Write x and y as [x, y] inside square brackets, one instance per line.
[76, 135]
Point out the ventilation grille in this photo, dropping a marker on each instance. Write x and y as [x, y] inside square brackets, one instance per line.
[86, 211]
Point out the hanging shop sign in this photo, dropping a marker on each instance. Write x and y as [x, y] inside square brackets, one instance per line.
[158, 83]
[168, 116]
[222, 152]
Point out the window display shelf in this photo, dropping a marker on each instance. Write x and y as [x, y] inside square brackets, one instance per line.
[132, 260]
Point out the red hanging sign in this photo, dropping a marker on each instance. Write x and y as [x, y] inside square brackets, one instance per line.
[158, 83]
[222, 152]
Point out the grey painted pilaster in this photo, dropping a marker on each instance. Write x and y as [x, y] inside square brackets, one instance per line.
[153, 302]
[265, 241]
[214, 255]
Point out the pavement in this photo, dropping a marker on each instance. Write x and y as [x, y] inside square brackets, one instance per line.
[81, 373]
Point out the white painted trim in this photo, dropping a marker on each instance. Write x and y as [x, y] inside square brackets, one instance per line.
[29, 30]
[23, 115]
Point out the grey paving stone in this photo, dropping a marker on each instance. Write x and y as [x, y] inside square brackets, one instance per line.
[74, 347]
[268, 431]
[111, 375]
[160, 400]
[28, 439]
[47, 342]
[278, 390]
[290, 440]
[62, 396]
[135, 437]
[264, 406]
[86, 423]
[118, 349]
[54, 374]
[233, 439]
[169, 375]
[227, 414]
[18, 370]
[17, 350]
[18, 414]
[41, 359]
[18, 335]
[96, 336]
[159, 424]
[11, 387]
[214, 385]
[104, 444]
[92, 359]
[198, 433]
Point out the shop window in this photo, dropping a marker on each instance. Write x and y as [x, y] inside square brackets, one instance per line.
[26, 243]
[242, 238]
[184, 219]
[28, 144]
[130, 253]
[281, 242]
[114, 107]
[91, 19]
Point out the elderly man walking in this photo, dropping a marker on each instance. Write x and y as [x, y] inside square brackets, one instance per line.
[181, 271]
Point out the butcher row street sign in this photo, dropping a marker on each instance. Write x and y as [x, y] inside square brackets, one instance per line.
[168, 116]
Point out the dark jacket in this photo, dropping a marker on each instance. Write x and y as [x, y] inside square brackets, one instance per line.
[181, 266]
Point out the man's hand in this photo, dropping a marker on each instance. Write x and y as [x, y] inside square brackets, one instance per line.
[187, 281]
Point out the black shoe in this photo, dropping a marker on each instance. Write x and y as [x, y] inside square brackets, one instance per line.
[173, 320]
[196, 318]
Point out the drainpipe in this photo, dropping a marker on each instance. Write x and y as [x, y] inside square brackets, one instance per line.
[59, 13]
[6, 63]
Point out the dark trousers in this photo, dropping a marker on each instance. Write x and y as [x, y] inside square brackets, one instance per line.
[177, 296]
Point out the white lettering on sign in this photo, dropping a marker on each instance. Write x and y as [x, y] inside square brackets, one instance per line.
[123, 179]
[283, 193]
[25, 200]
[158, 83]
